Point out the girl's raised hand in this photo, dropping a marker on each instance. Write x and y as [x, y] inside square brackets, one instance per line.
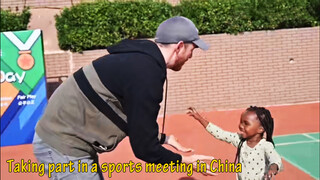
[193, 113]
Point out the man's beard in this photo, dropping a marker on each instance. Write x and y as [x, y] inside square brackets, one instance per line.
[178, 66]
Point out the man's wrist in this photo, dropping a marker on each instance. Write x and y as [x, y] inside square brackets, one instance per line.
[163, 139]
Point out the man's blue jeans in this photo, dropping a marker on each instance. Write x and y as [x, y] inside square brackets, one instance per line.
[48, 155]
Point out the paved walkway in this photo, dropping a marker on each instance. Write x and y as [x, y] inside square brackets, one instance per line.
[44, 19]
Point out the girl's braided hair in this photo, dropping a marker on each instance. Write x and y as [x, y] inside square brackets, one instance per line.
[266, 121]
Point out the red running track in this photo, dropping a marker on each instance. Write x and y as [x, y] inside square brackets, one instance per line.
[289, 119]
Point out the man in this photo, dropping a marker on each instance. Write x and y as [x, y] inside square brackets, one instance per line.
[115, 96]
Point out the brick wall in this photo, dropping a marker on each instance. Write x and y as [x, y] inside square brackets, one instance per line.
[57, 64]
[253, 68]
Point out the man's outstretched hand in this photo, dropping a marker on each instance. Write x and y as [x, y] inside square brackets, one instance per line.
[193, 159]
[172, 141]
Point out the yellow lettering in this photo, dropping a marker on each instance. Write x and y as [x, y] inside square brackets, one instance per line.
[41, 169]
[58, 169]
[165, 167]
[79, 163]
[23, 166]
[231, 167]
[138, 167]
[111, 169]
[64, 167]
[212, 167]
[10, 164]
[172, 169]
[226, 166]
[16, 168]
[198, 169]
[131, 164]
[104, 167]
[71, 168]
[50, 169]
[158, 168]
[125, 165]
[34, 167]
[203, 167]
[84, 167]
[189, 168]
[221, 169]
[94, 167]
[148, 167]
[118, 167]
[239, 167]
[182, 167]
[26, 166]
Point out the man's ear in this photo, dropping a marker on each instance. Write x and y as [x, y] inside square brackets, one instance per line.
[179, 46]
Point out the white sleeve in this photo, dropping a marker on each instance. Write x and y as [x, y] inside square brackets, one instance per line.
[223, 135]
[272, 156]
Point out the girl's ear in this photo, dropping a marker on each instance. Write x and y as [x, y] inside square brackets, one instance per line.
[260, 130]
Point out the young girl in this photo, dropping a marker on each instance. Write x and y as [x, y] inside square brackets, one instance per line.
[257, 155]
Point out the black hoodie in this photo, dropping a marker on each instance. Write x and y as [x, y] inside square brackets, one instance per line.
[135, 72]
